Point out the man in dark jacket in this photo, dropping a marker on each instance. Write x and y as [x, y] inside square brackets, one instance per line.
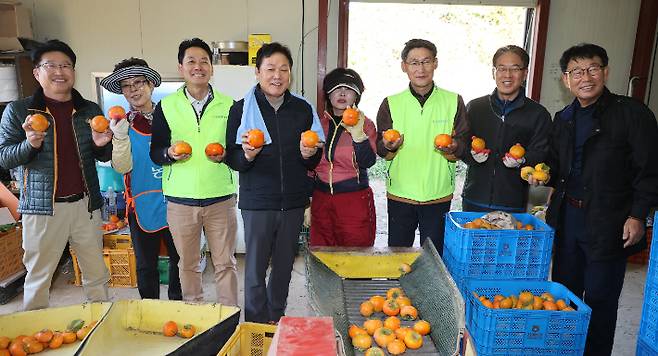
[604, 167]
[60, 197]
[274, 182]
[504, 118]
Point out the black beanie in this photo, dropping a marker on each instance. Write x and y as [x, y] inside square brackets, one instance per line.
[343, 77]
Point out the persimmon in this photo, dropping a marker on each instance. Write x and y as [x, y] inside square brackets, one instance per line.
[116, 112]
[32, 346]
[114, 219]
[69, 337]
[548, 305]
[392, 322]
[478, 144]
[487, 303]
[547, 296]
[561, 304]
[18, 349]
[526, 298]
[402, 301]
[255, 138]
[120, 224]
[413, 340]
[506, 303]
[422, 327]
[383, 336]
[537, 303]
[214, 149]
[394, 292]
[310, 138]
[517, 151]
[182, 148]
[56, 341]
[371, 325]
[355, 330]
[99, 123]
[404, 268]
[362, 342]
[375, 351]
[38, 122]
[396, 347]
[187, 331]
[568, 309]
[527, 171]
[391, 308]
[377, 302]
[44, 335]
[442, 140]
[542, 167]
[170, 328]
[408, 312]
[4, 352]
[402, 331]
[391, 135]
[350, 116]
[366, 309]
[82, 333]
[540, 176]
[4, 342]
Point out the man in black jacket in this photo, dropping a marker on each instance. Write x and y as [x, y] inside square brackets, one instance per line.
[604, 166]
[504, 118]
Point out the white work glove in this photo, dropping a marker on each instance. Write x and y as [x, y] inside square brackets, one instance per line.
[480, 156]
[356, 131]
[511, 162]
[119, 128]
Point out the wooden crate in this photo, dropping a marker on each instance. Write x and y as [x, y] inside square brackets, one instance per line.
[121, 264]
[11, 253]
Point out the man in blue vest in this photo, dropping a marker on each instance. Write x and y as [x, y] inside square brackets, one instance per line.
[421, 177]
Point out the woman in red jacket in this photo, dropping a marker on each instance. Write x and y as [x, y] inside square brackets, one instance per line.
[343, 209]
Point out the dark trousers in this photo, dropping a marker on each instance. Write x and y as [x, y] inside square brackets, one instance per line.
[147, 249]
[598, 283]
[404, 218]
[271, 237]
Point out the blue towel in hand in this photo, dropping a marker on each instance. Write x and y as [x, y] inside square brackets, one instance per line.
[252, 118]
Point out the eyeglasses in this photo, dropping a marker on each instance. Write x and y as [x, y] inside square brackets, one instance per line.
[51, 67]
[417, 64]
[577, 73]
[136, 85]
[511, 70]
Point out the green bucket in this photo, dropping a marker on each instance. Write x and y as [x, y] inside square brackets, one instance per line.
[163, 269]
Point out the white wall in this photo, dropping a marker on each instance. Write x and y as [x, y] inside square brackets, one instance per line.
[611, 24]
[103, 32]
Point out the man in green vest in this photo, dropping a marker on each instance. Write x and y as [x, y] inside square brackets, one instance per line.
[421, 176]
[199, 188]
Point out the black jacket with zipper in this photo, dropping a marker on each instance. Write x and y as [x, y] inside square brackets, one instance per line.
[36, 167]
[491, 183]
[278, 178]
[619, 171]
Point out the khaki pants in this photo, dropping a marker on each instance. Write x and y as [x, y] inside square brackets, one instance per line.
[219, 224]
[44, 240]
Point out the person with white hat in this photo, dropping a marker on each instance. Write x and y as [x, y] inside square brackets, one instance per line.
[146, 207]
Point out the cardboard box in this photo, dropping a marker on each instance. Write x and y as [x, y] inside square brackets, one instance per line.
[15, 21]
[256, 41]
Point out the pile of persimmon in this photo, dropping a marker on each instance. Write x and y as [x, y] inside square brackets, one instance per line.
[389, 334]
[538, 172]
[114, 223]
[482, 224]
[45, 339]
[170, 328]
[525, 301]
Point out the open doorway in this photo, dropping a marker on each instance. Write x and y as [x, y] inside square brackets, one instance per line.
[466, 37]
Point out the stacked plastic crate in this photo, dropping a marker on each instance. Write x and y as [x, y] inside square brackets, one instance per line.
[647, 340]
[490, 262]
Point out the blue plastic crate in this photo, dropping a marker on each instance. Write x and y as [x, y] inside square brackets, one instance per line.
[496, 254]
[525, 332]
[648, 331]
[643, 349]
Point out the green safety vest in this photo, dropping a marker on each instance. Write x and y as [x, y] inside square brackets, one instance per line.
[418, 171]
[198, 177]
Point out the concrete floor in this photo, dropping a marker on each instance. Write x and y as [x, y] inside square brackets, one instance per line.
[63, 292]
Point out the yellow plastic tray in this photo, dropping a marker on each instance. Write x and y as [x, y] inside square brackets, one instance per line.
[366, 262]
[30, 322]
[134, 327]
[249, 339]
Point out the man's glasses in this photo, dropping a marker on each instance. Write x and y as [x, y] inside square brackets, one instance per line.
[593, 71]
[51, 67]
[136, 85]
[511, 70]
[417, 64]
